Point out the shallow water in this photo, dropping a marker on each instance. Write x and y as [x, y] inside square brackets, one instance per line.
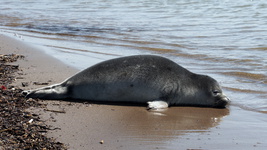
[224, 39]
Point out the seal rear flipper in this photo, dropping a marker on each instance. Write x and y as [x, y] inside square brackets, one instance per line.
[50, 92]
[157, 105]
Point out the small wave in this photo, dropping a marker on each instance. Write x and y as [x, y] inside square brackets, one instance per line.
[245, 90]
[265, 112]
[260, 48]
[64, 49]
[78, 30]
[252, 76]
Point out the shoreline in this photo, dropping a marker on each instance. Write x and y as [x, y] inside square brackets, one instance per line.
[92, 126]
[37, 65]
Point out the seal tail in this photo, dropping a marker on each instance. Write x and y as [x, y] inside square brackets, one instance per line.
[52, 92]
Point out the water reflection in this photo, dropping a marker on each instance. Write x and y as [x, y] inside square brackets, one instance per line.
[172, 122]
[86, 124]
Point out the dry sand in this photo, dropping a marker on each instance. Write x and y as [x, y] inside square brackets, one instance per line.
[92, 126]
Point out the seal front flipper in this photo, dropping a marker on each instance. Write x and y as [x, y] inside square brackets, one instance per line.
[157, 105]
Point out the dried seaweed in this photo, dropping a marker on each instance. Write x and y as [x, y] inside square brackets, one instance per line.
[10, 58]
[20, 129]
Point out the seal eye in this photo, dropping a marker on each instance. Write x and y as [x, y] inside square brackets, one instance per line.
[216, 92]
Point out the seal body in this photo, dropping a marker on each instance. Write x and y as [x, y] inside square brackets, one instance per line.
[138, 79]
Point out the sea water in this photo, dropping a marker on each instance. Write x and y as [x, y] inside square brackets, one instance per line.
[222, 38]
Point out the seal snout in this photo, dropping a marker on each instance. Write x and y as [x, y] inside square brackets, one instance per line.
[222, 102]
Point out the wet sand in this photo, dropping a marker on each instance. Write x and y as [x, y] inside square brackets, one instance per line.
[93, 126]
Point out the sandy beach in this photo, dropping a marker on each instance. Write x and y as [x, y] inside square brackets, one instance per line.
[86, 126]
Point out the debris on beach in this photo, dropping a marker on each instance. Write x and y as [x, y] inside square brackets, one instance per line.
[101, 142]
[38, 83]
[10, 58]
[24, 84]
[20, 129]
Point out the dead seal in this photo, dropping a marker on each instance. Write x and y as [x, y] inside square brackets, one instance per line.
[150, 79]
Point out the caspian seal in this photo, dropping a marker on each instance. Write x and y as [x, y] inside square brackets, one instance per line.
[150, 79]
